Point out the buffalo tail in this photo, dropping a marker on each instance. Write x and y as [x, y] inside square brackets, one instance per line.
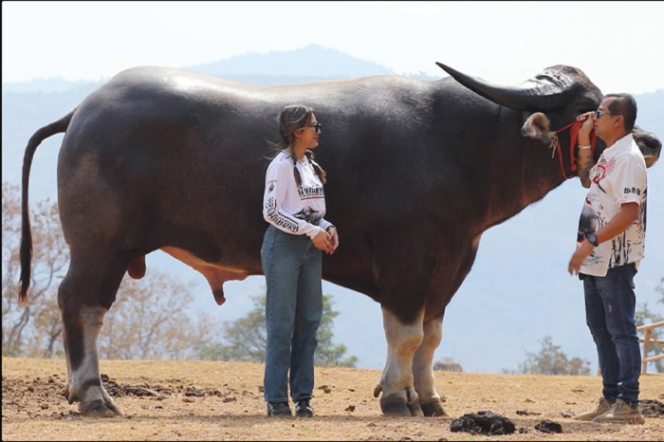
[56, 127]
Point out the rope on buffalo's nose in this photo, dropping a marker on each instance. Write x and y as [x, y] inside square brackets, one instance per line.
[574, 128]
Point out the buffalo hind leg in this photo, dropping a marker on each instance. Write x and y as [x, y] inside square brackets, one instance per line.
[84, 297]
[399, 394]
[423, 368]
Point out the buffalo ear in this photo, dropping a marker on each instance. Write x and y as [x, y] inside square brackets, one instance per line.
[650, 145]
[537, 127]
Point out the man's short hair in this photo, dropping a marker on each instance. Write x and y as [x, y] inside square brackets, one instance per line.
[625, 105]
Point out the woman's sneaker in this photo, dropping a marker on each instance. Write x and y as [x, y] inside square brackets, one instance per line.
[621, 413]
[278, 409]
[303, 409]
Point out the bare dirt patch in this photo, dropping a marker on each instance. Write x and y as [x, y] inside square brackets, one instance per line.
[203, 400]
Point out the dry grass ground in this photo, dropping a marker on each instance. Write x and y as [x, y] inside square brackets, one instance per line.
[202, 400]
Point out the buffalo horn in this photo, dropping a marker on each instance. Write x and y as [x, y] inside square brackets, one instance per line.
[546, 91]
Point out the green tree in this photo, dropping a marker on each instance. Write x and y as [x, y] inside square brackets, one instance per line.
[245, 339]
[327, 353]
[552, 360]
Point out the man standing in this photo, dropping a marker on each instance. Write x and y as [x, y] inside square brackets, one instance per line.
[610, 245]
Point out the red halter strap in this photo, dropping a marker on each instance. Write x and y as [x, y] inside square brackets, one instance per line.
[573, 135]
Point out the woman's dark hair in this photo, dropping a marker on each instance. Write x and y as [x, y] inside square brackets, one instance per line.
[291, 119]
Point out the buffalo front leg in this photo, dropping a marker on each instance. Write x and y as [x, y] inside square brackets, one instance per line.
[84, 297]
[399, 395]
[423, 368]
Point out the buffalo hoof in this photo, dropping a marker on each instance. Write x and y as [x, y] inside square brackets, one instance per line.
[99, 409]
[433, 409]
[399, 408]
[394, 408]
[415, 409]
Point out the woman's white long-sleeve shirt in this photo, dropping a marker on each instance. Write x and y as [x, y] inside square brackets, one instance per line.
[294, 210]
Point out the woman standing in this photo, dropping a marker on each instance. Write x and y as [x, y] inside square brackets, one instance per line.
[294, 206]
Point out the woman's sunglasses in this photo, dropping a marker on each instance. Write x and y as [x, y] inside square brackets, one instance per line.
[316, 127]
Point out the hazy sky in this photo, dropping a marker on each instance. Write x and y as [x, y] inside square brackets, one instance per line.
[619, 45]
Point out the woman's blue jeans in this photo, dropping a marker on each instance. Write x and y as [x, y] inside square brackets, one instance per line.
[610, 308]
[293, 274]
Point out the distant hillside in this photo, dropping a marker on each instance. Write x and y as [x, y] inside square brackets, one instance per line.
[306, 65]
[517, 292]
[310, 61]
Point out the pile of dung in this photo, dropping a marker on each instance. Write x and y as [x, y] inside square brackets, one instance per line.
[651, 408]
[483, 422]
[547, 426]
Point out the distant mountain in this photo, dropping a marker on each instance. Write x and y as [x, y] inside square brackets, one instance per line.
[310, 61]
[517, 292]
[306, 65]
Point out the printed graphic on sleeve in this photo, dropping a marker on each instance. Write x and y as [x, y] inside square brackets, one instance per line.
[278, 218]
[633, 190]
[629, 193]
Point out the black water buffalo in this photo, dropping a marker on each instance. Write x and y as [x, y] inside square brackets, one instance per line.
[162, 158]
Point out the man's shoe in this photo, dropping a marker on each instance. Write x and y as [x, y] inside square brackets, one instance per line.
[303, 409]
[602, 406]
[621, 413]
[278, 409]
